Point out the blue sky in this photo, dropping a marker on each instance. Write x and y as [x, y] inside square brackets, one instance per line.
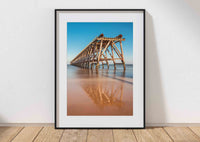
[80, 34]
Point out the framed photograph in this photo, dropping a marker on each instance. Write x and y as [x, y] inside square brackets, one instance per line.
[99, 68]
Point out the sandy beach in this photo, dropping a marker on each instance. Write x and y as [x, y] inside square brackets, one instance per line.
[105, 92]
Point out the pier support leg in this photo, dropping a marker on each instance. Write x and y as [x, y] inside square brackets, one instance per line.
[92, 66]
[113, 57]
[114, 65]
[99, 55]
[107, 64]
[122, 54]
[124, 65]
[97, 66]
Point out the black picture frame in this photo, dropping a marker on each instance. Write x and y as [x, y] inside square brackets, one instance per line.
[55, 64]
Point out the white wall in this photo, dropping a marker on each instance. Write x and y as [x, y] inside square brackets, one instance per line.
[27, 58]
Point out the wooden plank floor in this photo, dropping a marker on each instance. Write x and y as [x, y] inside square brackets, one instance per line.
[49, 134]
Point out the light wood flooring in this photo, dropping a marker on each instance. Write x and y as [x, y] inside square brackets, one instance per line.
[49, 134]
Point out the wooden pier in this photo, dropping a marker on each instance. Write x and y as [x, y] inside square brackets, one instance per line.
[100, 50]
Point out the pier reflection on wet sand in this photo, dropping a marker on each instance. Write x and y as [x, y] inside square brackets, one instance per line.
[99, 93]
[103, 96]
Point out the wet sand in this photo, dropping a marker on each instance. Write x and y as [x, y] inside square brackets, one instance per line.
[98, 93]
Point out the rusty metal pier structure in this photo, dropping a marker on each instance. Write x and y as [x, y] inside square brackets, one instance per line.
[101, 49]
